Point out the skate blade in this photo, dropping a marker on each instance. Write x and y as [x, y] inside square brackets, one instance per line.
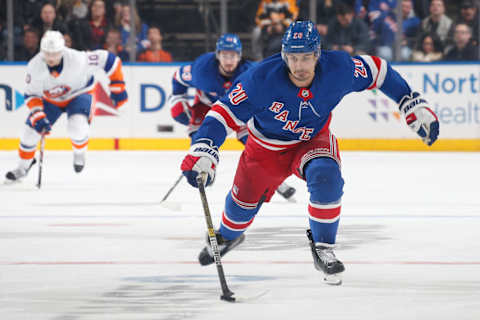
[333, 279]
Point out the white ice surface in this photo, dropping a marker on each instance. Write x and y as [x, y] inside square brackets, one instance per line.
[98, 245]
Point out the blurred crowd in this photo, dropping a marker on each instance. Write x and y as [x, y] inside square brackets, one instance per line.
[431, 30]
[86, 25]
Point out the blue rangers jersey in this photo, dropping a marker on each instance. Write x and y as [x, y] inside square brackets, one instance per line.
[203, 74]
[280, 115]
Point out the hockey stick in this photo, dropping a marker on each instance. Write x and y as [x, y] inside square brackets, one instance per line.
[227, 295]
[173, 187]
[40, 161]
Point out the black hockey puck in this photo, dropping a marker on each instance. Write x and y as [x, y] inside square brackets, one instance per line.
[164, 128]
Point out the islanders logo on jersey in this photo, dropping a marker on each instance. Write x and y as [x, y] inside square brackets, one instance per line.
[57, 91]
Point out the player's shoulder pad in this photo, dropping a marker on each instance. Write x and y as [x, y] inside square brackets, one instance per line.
[331, 60]
[74, 53]
[264, 74]
[337, 64]
[204, 65]
[267, 69]
[247, 64]
[36, 62]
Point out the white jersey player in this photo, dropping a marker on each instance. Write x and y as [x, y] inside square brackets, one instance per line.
[61, 80]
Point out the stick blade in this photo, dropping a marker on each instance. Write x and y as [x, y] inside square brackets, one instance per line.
[246, 299]
[228, 297]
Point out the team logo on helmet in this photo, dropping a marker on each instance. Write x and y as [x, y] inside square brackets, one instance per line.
[229, 42]
[300, 37]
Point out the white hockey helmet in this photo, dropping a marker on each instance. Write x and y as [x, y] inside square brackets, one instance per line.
[52, 41]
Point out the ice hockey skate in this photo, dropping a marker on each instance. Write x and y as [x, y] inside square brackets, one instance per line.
[206, 256]
[286, 191]
[19, 173]
[78, 161]
[325, 260]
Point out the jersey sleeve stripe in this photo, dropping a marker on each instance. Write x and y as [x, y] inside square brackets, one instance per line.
[373, 69]
[175, 98]
[177, 78]
[231, 120]
[109, 63]
[115, 74]
[270, 144]
[378, 69]
[202, 96]
[382, 72]
[219, 118]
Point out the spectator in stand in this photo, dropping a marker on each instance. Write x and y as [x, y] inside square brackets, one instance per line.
[385, 27]
[469, 16]
[29, 48]
[48, 20]
[437, 22]
[116, 15]
[325, 12]
[410, 24]
[113, 44]
[28, 12]
[98, 24]
[421, 8]
[271, 16]
[272, 35]
[19, 26]
[429, 49]
[3, 33]
[463, 49]
[140, 28]
[382, 20]
[68, 40]
[155, 52]
[69, 9]
[78, 25]
[347, 33]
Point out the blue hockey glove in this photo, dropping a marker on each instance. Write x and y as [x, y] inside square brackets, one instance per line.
[118, 93]
[119, 99]
[39, 121]
[202, 157]
[420, 118]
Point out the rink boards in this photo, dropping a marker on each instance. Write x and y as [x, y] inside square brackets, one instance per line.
[363, 121]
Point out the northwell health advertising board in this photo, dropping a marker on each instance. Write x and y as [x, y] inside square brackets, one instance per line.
[451, 89]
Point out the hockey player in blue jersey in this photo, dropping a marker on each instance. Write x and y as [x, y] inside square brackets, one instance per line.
[287, 101]
[211, 74]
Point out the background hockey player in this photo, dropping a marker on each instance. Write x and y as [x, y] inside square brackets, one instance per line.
[60, 80]
[211, 74]
[287, 101]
